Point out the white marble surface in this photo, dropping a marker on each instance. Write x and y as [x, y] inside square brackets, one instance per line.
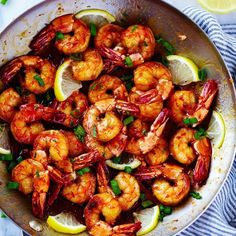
[14, 8]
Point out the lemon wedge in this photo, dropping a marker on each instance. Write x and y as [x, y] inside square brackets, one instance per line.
[96, 16]
[134, 163]
[219, 6]
[184, 71]
[64, 84]
[65, 223]
[149, 219]
[4, 139]
[216, 130]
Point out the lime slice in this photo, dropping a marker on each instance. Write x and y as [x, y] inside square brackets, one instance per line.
[183, 70]
[64, 84]
[96, 16]
[149, 219]
[216, 130]
[219, 6]
[4, 139]
[134, 163]
[65, 223]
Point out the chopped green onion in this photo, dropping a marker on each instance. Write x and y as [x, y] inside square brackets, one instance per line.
[93, 29]
[126, 77]
[202, 74]
[168, 47]
[142, 196]
[116, 160]
[3, 215]
[19, 159]
[83, 171]
[190, 121]
[164, 211]
[94, 131]
[59, 35]
[128, 80]
[6, 157]
[115, 187]
[144, 132]
[37, 174]
[128, 169]
[134, 28]
[145, 44]
[80, 133]
[11, 166]
[76, 56]
[3, 2]
[128, 62]
[195, 195]
[39, 80]
[146, 203]
[200, 134]
[75, 113]
[18, 89]
[12, 185]
[128, 120]
[93, 86]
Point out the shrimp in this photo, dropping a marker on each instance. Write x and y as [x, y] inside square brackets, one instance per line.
[183, 104]
[81, 189]
[107, 87]
[67, 44]
[101, 204]
[171, 184]
[9, 101]
[39, 74]
[186, 149]
[89, 67]
[32, 177]
[76, 104]
[153, 75]
[57, 146]
[101, 228]
[130, 190]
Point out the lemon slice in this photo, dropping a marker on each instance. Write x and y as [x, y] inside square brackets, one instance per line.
[134, 163]
[4, 139]
[216, 130]
[219, 6]
[183, 70]
[65, 223]
[64, 84]
[149, 219]
[96, 16]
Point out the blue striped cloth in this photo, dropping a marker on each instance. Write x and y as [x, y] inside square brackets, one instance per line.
[220, 217]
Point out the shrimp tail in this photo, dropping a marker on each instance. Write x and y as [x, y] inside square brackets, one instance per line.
[55, 175]
[56, 188]
[147, 173]
[149, 97]
[125, 107]
[160, 122]
[127, 229]
[38, 204]
[112, 55]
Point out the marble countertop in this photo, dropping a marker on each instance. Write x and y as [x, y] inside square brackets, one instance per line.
[14, 8]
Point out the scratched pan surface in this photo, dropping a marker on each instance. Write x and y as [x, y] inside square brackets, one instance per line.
[171, 23]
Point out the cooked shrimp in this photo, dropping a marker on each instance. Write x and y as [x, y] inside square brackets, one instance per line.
[9, 101]
[76, 104]
[89, 68]
[153, 75]
[81, 189]
[57, 146]
[32, 177]
[186, 149]
[101, 228]
[39, 74]
[130, 190]
[101, 204]
[138, 40]
[107, 87]
[68, 44]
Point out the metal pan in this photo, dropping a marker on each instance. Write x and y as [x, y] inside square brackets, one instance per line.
[171, 23]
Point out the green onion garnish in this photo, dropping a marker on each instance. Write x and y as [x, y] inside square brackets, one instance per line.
[116, 160]
[6, 157]
[19, 159]
[37, 174]
[195, 195]
[142, 196]
[128, 62]
[115, 187]
[93, 86]
[200, 134]
[11, 166]
[164, 211]
[59, 35]
[94, 131]
[83, 171]
[75, 113]
[128, 120]
[12, 185]
[3, 2]
[76, 56]
[190, 121]
[134, 28]
[146, 203]
[128, 169]
[145, 44]
[93, 29]
[168, 47]
[80, 133]
[3, 215]
[202, 74]
[39, 80]
[144, 132]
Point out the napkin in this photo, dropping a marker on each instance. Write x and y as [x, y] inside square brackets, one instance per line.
[220, 217]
